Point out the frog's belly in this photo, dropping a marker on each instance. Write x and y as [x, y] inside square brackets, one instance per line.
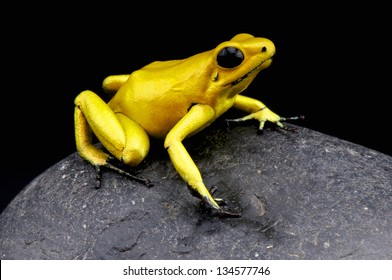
[159, 123]
[157, 120]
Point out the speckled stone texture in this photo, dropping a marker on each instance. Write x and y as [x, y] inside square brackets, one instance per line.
[303, 195]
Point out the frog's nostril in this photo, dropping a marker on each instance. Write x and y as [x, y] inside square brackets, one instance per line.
[263, 49]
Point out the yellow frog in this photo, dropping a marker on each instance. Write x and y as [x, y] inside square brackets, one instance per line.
[172, 100]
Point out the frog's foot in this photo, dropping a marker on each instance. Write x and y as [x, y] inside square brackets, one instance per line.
[217, 203]
[111, 164]
[284, 126]
[265, 115]
[294, 118]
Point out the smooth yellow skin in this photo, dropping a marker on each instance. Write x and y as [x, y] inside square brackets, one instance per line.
[171, 100]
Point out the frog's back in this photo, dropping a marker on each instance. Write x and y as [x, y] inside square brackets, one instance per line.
[158, 95]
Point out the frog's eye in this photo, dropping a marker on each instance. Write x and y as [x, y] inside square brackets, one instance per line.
[230, 57]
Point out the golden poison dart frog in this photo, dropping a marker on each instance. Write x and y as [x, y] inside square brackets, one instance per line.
[172, 100]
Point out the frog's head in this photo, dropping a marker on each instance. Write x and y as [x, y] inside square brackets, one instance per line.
[238, 61]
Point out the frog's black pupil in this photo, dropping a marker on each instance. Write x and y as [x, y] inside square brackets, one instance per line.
[230, 57]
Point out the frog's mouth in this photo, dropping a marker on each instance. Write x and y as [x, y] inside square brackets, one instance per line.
[240, 79]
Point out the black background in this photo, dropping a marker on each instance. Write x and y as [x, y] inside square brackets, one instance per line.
[332, 65]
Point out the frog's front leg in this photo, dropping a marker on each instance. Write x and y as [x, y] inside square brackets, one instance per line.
[198, 117]
[259, 112]
[120, 135]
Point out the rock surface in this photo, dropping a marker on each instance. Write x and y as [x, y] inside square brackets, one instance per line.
[303, 195]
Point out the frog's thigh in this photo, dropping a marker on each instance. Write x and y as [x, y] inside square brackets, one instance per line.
[93, 113]
[121, 136]
[137, 142]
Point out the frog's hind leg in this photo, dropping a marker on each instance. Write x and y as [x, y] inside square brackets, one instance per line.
[121, 136]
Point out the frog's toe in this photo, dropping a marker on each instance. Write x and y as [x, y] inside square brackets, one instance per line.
[300, 117]
[219, 201]
[98, 177]
[217, 206]
[228, 214]
[289, 128]
[112, 165]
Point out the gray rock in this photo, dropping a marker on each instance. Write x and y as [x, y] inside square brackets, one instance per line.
[303, 195]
